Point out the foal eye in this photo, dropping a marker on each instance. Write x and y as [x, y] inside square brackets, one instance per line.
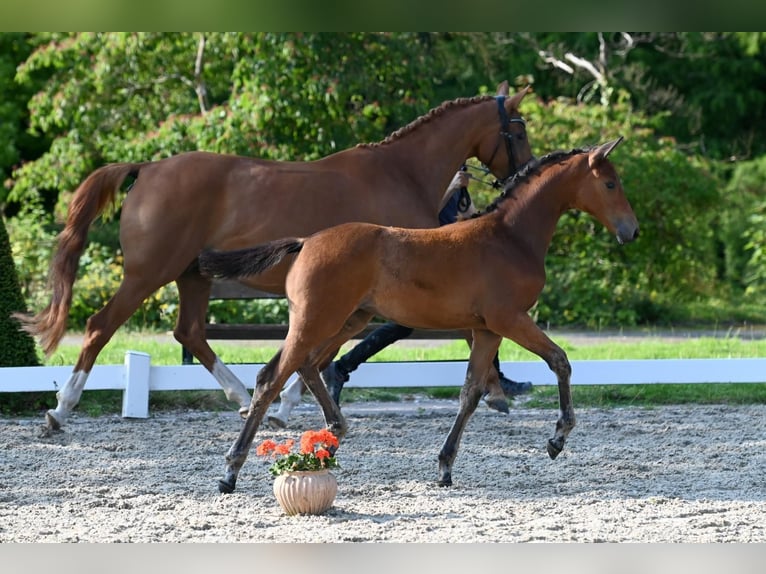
[610, 185]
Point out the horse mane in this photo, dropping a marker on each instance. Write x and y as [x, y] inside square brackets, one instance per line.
[534, 167]
[424, 119]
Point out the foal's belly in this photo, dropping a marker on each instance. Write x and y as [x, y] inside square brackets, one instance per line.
[428, 313]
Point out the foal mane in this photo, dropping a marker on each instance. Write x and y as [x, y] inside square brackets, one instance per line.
[534, 167]
[428, 117]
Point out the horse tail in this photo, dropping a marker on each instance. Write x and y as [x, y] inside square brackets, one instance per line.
[250, 261]
[94, 195]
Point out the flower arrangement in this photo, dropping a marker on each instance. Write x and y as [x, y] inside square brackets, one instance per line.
[315, 452]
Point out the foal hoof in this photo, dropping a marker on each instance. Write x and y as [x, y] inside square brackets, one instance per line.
[553, 449]
[243, 412]
[225, 487]
[445, 481]
[276, 423]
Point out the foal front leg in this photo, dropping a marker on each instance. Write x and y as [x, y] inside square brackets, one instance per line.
[483, 349]
[527, 334]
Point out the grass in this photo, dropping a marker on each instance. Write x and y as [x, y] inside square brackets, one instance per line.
[651, 345]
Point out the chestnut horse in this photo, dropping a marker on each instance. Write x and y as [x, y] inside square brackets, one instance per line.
[496, 269]
[193, 201]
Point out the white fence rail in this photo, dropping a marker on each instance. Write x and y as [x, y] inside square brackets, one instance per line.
[137, 377]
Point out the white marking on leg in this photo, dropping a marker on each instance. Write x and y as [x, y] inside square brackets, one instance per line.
[290, 397]
[68, 397]
[233, 388]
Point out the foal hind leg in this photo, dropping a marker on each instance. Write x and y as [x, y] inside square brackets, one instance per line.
[494, 395]
[98, 331]
[334, 420]
[269, 382]
[526, 333]
[290, 396]
[483, 349]
[193, 295]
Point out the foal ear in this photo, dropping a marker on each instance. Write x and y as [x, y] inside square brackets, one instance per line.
[513, 103]
[502, 88]
[601, 152]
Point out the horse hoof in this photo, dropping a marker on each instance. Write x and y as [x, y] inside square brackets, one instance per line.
[52, 421]
[553, 449]
[497, 404]
[276, 423]
[445, 481]
[243, 412]
[225, 487]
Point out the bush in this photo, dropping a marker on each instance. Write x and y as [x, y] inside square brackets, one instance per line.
[17, 348]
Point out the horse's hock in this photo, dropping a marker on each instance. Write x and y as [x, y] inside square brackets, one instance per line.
[224, 289]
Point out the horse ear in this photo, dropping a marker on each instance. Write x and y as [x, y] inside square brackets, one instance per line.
[513, 103]
[601, 152]
[502, 88]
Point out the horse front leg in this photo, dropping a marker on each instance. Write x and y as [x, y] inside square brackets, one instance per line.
[526, 333]
[483, 349]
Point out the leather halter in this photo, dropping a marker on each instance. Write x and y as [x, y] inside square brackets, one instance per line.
[507, 137]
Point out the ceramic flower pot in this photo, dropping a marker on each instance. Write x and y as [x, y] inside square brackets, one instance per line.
[305, 492]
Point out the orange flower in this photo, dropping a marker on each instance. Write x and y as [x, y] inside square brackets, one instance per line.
[323, 437]
[322, 441]
[265, 448]
[285, 447]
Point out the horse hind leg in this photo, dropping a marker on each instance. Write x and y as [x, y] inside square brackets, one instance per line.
[193, 295]
[99, 329]
[483, 349]
[289, 398]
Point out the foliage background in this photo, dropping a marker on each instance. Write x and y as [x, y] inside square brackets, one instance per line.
[691, 106]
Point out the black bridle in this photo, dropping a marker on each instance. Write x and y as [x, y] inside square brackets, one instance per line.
[507, 137]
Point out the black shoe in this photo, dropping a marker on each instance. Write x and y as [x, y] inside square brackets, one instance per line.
[333, 380]
[513, 388]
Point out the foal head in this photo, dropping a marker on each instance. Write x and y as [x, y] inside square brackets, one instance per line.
[601, 194]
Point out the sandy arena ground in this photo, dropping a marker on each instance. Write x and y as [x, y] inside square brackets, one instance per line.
[670, 474]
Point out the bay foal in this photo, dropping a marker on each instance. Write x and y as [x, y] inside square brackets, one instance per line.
[343, 276]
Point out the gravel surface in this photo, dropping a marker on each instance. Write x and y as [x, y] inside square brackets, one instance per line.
[669, 474]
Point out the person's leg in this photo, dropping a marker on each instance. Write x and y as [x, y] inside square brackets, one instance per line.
[338, 372]
[510, 388]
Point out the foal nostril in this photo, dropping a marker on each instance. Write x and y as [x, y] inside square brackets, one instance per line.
[635, 234]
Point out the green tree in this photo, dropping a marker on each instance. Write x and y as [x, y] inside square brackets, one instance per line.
[17, 348]
[140, 96]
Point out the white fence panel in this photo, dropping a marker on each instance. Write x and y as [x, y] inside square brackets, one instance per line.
[136, 378]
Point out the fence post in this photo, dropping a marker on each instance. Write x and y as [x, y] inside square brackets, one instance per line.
[135, 396]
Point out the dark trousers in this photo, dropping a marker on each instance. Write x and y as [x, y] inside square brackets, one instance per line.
[375, 342]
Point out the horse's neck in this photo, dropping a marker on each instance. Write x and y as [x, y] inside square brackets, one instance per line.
[534, 212]
[431, 153]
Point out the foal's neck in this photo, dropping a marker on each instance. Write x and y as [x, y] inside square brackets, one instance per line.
[532, 211]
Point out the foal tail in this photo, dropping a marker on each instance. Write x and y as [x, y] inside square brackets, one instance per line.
[94, 195]
[250, 261]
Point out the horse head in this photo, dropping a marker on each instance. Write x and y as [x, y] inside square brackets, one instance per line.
[506, 150]
[603, 196]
